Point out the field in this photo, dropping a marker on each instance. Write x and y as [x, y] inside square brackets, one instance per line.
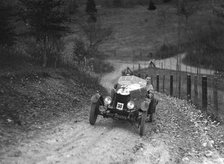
[136, 32]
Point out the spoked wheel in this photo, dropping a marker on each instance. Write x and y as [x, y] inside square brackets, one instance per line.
[142, 124]
[93, 113]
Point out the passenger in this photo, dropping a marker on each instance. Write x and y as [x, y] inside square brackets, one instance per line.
[152, 106]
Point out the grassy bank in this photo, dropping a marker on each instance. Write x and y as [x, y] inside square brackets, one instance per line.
[34, 99]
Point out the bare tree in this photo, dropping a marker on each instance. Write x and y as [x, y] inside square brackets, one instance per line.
[96, 34]
[46, 21]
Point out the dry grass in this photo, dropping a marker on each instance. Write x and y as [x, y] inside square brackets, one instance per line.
[36, 99]
[136, 30]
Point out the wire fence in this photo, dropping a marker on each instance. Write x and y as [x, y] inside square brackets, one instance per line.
[206, 91]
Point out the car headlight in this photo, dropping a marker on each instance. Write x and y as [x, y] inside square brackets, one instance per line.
[130, 105]
[107, 100]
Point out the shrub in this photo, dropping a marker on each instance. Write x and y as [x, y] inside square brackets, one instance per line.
[87, 80]
[117, 3]
[100, 66]
[212, 60]
[72, 6]
[124, 3]
[166, 51]
[79, 51]
[47, 23]
[206, 47]
[36, 50]
[165, 1]
[151, 5]
[7, 32]
[12, 57]
[91, 7]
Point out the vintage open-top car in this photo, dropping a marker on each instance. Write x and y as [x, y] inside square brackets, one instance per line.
[131, 99]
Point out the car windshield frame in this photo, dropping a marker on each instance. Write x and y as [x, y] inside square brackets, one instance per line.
[132, 82]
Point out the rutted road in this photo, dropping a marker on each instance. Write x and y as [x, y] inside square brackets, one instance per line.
[107, 142]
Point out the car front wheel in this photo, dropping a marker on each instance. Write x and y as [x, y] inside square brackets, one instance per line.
[93, 113]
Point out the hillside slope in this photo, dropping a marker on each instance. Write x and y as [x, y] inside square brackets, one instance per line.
[35, 99]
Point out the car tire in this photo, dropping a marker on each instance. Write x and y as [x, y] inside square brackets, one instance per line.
[93, 113]
[142, 123]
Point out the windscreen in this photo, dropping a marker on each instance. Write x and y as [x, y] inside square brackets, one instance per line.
[132, 82]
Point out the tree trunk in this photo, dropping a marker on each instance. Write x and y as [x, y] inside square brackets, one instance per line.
[44, 59]
[55, 62]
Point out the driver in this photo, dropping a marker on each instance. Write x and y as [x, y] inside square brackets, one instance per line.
[152, 106]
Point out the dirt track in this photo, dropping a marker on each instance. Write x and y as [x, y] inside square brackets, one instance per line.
[111, 141]
[107, 142]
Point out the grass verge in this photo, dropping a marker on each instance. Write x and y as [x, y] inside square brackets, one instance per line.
[36, 99]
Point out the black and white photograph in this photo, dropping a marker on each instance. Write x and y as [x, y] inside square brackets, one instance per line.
[111, 81]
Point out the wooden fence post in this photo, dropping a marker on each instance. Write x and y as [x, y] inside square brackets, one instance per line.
[157, 83]
[171, 85]
[204, 93]
[188, 87]
[215, 96]
[139, 66]
[196, 90]
[164, 83]
[152, 80]
[179, 86]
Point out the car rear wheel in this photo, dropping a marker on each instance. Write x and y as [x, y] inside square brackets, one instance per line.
[93, 113]
[142, 124]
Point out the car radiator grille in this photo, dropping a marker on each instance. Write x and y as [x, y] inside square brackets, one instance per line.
[121, 101]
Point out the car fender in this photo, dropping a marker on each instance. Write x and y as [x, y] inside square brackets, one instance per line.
[145, 105]
[95, 98]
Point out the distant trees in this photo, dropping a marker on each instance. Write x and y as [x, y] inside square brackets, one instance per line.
[217, 36]
[117, 3]
[219, 11]
[91, 10]
[72, 6]
[91, 7]
[85, 50]
[165, 1]
[7, 34]
[45, 20]
[79, 52]
[204, 39]
[151, 5]
[96, 35]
